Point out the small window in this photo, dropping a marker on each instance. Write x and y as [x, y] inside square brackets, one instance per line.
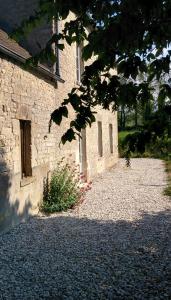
[25, 137]
[79, 62]
[111, 137]
[56, 66]
[100, 141]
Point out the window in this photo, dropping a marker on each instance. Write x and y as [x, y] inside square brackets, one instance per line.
[111, 137]
[56, 66]
[100, 142]
[25, 138]
[83, 152]
[79, 62]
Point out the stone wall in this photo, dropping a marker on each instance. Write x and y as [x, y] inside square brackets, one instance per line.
[97, 164]
[26, 95]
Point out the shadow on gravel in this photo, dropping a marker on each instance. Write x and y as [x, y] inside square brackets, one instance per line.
[71, 258]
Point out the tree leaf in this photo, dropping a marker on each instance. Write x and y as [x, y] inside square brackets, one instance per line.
[68, 136]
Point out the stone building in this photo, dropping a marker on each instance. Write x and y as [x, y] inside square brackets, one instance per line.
[28, 152]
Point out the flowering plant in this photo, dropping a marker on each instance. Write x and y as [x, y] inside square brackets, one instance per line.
[66, 188]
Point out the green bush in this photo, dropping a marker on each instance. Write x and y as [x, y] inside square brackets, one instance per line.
[64, 190]
[161, 148]
[121, 141]
[167, 190]
[158, 148]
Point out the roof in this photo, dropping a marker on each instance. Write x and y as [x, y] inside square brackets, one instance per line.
[11, 48]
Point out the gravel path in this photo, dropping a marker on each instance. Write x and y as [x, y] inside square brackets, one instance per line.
[116, 245]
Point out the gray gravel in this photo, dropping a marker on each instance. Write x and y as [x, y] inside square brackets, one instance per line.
[116, 245]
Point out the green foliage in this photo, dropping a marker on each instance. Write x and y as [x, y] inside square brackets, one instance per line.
[123, 134]
[161, 148]
[64, 190]
[167, 190]
[121, 140]
[57, 115]
[153, 139]
[131, 143]
[131, 36]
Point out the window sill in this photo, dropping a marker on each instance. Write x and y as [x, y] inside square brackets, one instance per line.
[27, 180]
[49, 73]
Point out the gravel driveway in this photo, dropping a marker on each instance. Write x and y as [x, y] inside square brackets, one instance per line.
[116, 245]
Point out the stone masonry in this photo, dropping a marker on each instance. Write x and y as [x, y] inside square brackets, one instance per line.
[29, 95]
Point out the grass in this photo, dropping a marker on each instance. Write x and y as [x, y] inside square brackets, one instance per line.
[123, 134]
[121, 137]
[167, 190]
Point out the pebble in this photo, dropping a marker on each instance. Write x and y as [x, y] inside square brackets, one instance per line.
[115, 245]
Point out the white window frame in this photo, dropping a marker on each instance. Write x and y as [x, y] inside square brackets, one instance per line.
[100, 138]
[79, 63]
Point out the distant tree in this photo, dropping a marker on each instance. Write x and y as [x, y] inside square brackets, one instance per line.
[132, 36]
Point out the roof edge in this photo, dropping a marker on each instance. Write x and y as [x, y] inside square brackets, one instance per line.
[40, 68]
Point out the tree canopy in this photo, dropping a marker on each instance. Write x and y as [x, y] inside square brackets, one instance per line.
[131, 36]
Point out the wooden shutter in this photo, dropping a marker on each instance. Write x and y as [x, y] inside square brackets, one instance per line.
[25, 134]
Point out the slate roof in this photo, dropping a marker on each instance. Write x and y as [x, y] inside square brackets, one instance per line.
[13, 46]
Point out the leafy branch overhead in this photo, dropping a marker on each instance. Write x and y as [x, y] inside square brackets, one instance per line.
[131, 36]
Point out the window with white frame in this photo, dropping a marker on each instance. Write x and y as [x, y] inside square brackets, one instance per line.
[111, 137]
[56, 31]
[100, 139]
[79, 62]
